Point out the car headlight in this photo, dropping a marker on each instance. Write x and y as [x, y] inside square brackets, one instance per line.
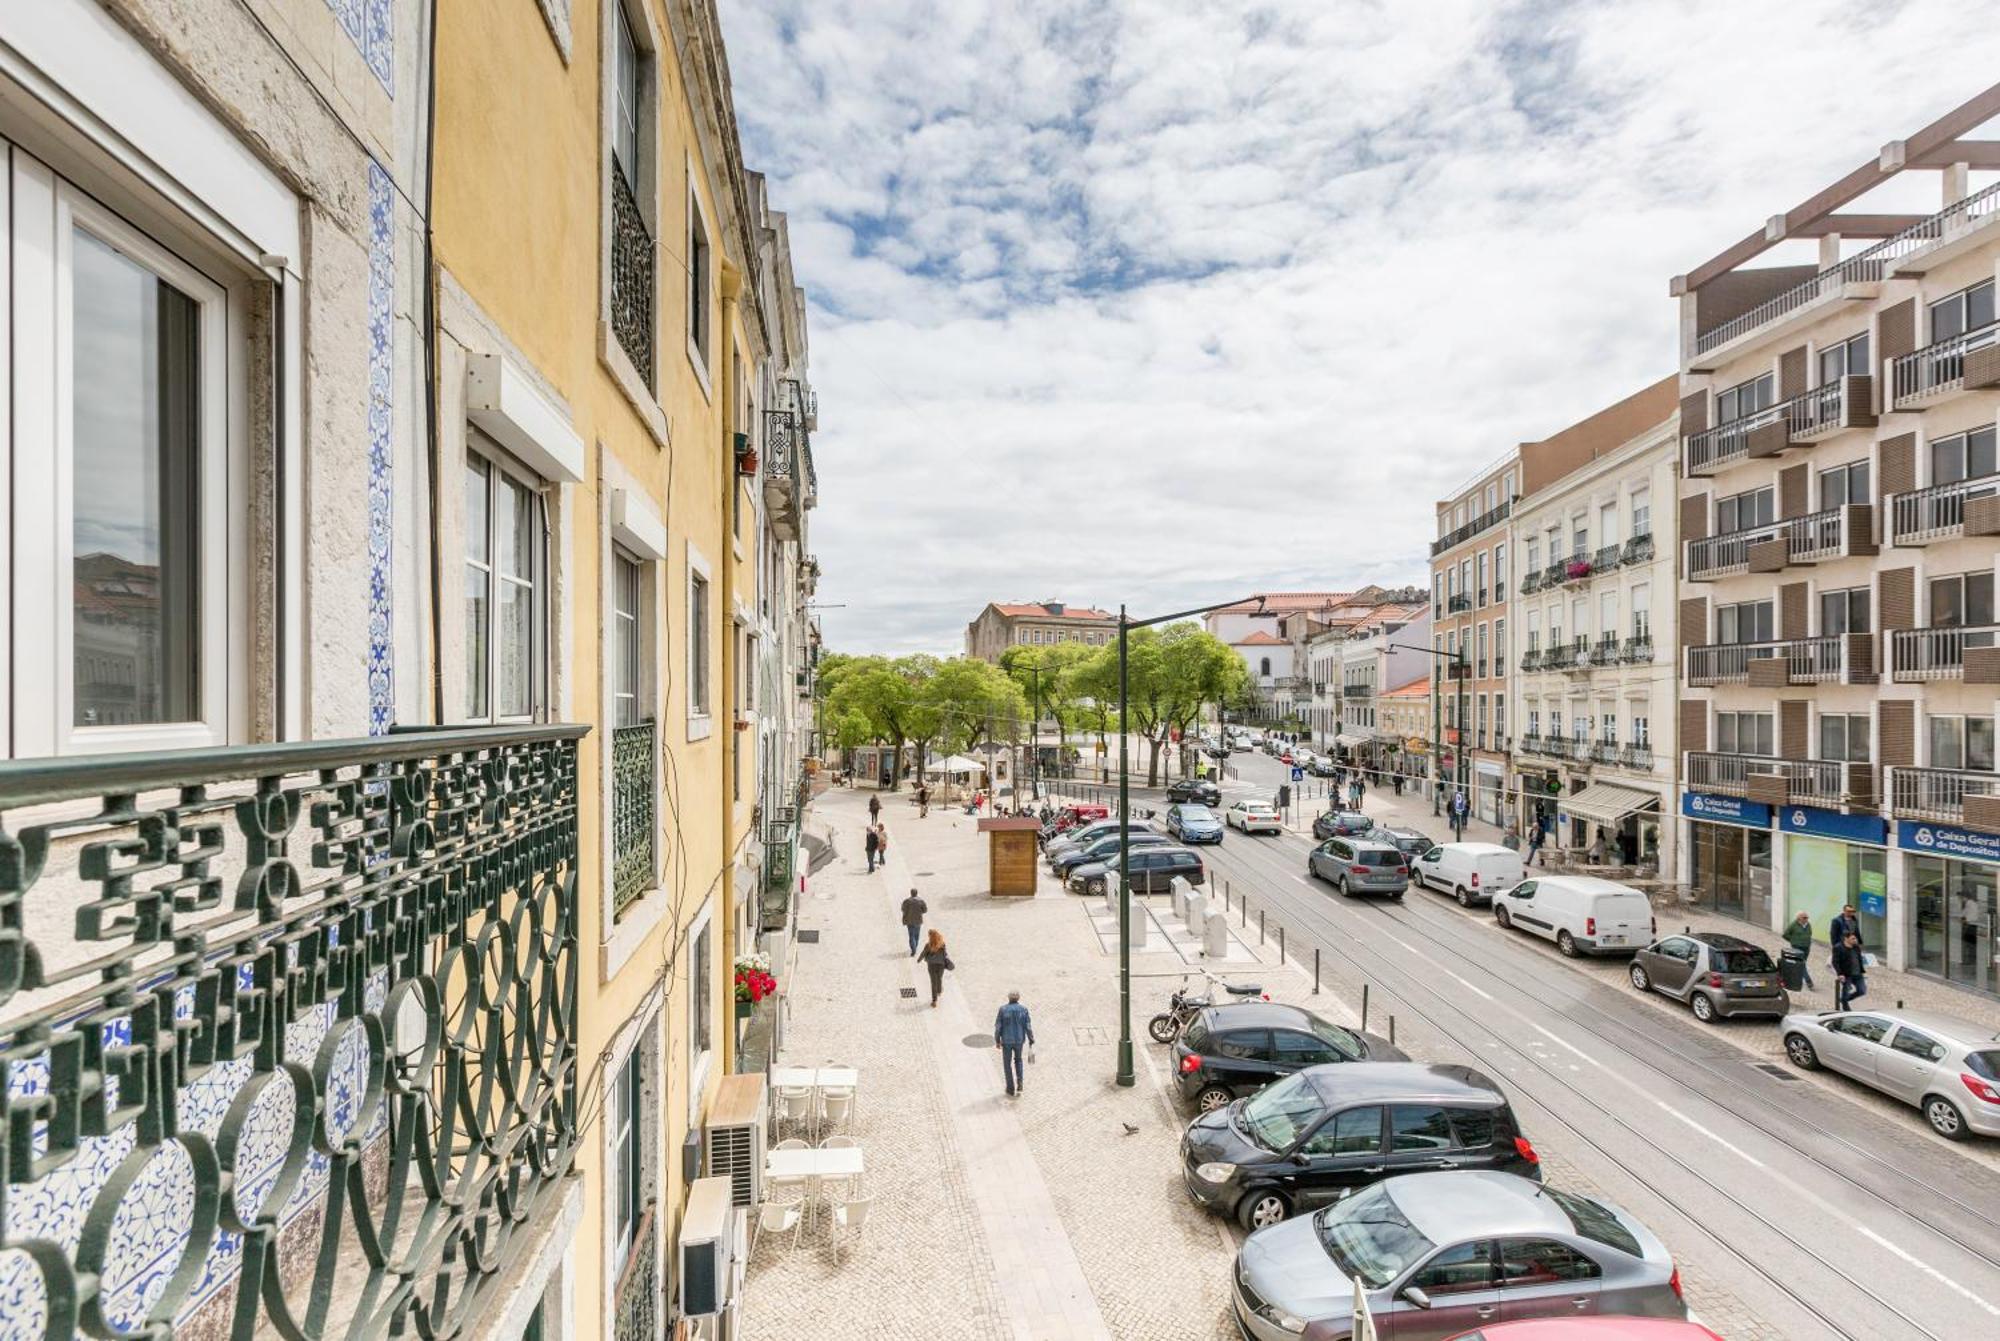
[1283, 1321]
[1215, 1173]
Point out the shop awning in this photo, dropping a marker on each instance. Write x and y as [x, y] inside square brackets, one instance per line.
[1347, 742]
[1607, 803]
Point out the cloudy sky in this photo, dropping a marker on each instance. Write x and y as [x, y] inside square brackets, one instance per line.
[1163, 301]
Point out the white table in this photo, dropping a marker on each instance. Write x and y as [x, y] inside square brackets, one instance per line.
[838, 1162]
[814, 1077]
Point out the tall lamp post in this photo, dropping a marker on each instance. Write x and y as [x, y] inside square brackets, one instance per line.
[1127, 1076]
[1460, 673]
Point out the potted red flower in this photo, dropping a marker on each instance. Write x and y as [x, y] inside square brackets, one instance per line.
[754, 982]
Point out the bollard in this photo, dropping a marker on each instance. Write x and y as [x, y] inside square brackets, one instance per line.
[1315, 970]
[1244, 909]
[1260, 926]
[1364, 1007]
[1281, 945]
[1392, 1031]
[1215, 938]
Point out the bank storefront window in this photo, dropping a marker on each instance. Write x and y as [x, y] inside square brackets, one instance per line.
[1822, 874]
[1731, 870]
[1954, 911]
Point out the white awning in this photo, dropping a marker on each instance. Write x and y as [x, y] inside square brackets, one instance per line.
[1347, 742]
[1607, 803]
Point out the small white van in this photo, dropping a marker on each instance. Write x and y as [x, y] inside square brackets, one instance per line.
[1469, 872]
[1581, 914]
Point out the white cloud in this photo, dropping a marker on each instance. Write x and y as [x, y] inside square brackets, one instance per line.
[1157, 301]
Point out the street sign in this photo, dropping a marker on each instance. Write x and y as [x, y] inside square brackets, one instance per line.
[1298, 774]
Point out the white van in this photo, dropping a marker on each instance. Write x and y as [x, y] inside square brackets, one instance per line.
[1581, 914]
[1469, 872]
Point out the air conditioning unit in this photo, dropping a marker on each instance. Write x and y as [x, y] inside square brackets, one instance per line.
[714, 1249]
[735, 1138]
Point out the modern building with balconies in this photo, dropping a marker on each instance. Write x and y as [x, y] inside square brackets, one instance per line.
[1839, 509]
[1595, 609]
[1470, 579]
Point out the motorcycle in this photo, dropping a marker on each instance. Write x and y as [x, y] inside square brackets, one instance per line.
[1182, 1008]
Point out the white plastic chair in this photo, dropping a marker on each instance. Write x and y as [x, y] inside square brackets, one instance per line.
[844, 1186]
[850, 1217]
[836, 1107]
[795, 1106]
[781, 1214]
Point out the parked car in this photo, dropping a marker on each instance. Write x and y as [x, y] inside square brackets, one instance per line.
[1102, 849]
[1341, 824]
[1085, 836]
[1254, 817]
[1199, 791]
[1318, 1135]
[1232, 1050]
[1361, 866]
[1469, 872]
[1948, 1067]
[1303, 757]
[1152, 869]
[1413, 842]
[1439, 1253]
[1194, 824]
[1591, 1329]
[1717, 974]
[1580, 913]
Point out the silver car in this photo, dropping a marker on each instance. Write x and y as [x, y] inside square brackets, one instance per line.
[1948, 1067]
[1361, 866]
[1443, 1253]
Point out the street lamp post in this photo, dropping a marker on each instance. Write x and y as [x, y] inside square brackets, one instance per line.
[1127, 1075]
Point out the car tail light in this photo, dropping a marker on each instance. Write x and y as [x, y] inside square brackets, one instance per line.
[1357, 870]
[1475, 880]
[1986, 1092]
[1715, 980]
[1590, 926]
[1526, 1151]
[1674, 1282]
[1190, 1063]
[1403, 871]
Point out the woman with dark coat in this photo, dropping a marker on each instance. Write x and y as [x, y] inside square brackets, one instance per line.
[936, 960]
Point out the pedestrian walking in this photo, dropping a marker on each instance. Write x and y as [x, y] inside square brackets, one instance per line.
[874, 810]
[914, 909]
[1535, 837]
[936, 960]
[1799, 936]
[882, 843]
[1360, 792]
[923, 802]
[1013, 1030]
[873, 843]
[1851, 966]
[1845, 924]
[1595, 856]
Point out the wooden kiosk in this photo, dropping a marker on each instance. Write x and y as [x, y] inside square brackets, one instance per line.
[1011, 868]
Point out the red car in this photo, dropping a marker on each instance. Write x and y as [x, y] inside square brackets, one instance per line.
[1591, 1329]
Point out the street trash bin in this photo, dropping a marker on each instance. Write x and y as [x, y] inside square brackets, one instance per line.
[1792, 968]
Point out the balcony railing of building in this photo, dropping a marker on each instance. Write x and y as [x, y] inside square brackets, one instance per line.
[1638, 649]
[1945, 511]
[1639, 549]
[1949, 365]
[1555, 574]
[1969, 653]
[1863, 267]
[1639, 756]
[1607, 649]
[238, 982]
[1531, 660]
[1607, 558]
[1459, 604]
[1471, 528]
[1605, 752]
[632, 267]
[1718, 448]
[1833, 533]
[1946, 796]
[1773, 781]
[1560, 656]
[1531, 743]
[636, 1295]
[1355, 691]
[1723, 555]
[1531, 581]
[634, 826]
[781, 835]
[1819, 660]
[1579, 655]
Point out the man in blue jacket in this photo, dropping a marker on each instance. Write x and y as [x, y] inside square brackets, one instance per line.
[1012, 1031]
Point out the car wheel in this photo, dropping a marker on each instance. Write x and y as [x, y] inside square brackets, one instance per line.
[1212, 1098]
[1500, 916]
[1567, 944]
[1262, 1209]
[1799, 1049]
[1703, 1007]
[1944, 1117]
[1463, 895]
[1340, 886]
[1096, 887]
[1640, 979]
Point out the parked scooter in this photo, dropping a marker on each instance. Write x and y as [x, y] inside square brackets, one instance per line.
[1182, 1008]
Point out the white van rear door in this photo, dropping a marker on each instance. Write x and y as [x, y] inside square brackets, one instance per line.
[1497, 871]
[1623, 920]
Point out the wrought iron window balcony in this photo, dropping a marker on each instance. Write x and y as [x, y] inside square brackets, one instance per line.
[785, 461]
[1639, 549]
[1638, 649]
[1945, 511]
[1605, 752]
[632, 275]
[1531, 581]
[1458, 604]
[634, 825]
[1472, 528]
[1579, 656]
[1639, 757]
[1966, 362]
[1531, 660]
[1971, 654]
[1356, 691]
[242, 983]
[1970, 797]
[1606, 558]
[1531, 743]
[1606, 651]
[1560, 657]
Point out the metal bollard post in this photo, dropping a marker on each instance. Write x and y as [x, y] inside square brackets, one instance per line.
[1392, 1031]
[1364, 1007]
[1244, 909]
[1315, 970]
[1260, 926]
[1281, 945]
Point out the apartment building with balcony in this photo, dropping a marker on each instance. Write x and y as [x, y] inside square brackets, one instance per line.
[1471, 573]
[1838, 520]
[1404, 715]
[1594, 600]
[1002, 625]
[1382, 653]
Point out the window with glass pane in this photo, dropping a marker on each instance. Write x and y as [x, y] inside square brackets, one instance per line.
[1843, 611]
[135, 520]
[1746, 398]
[628, 1125]
[1745, 622]
[1979, 743]
[504, 640]
[1607, 615]
[1642, 512]
[1499, 571]
[1480, 584]
[1740, 512]
[1607, 524]
[1843, 485]
[1642, 729]
[628, 584]
[1963, 456]
[625, 115]
[1966, 310]
[698, 645]
[1947, 742]
[1642, 616]
[1848, 358]
[1744, 733]
[1844, 737]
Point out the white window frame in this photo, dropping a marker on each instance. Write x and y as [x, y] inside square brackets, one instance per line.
[700, 1059]
[542, 623]
[702, 285]
[640, 620]
[700, 649]
[39, 569]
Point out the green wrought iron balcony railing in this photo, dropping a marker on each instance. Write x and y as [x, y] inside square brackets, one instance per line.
[634, 823]
[288, 1033]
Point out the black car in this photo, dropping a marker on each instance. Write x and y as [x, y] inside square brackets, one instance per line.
[1153, 868]
[1341, 824]
[1229, 1051]
[1322, 767]
[1412, 843]
[1313, 1137]
[1198, 790]
[1102, 849]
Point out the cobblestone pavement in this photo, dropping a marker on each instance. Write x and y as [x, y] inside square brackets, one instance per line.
[1151, 1266]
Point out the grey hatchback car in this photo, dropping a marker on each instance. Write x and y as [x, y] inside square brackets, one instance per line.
[1945, 1066]
[1717, 974]
[1361, 866]
[1440, 1254]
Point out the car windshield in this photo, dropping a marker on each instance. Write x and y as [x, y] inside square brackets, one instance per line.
[1752, 960]
[1378, 856]
[1595, 1221]
[1368, 1236]
[1985, 1063]
[1276, 1117]
[1344, 1041]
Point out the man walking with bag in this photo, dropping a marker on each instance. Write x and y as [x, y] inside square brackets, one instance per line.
[1013, 1030]
[914, 909]
[873, 843]
[1852, 970]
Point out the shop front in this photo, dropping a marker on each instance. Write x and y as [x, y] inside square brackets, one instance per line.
[1954, 902]
[1489, 801]
[1626, 818]
[1832, 860]
[1729, 855]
